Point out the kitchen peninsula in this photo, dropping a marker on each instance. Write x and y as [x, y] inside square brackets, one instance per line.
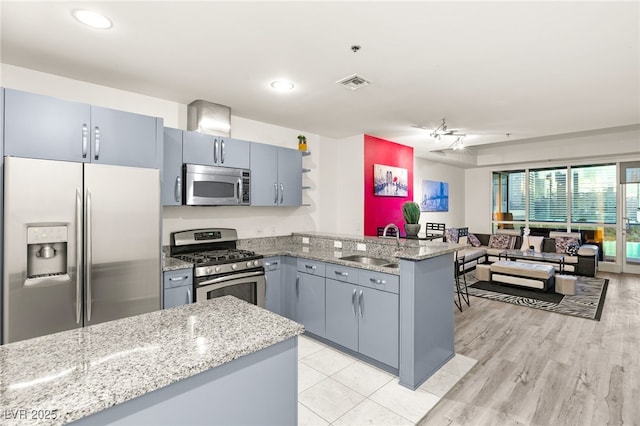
[417, 282]
[202, 363]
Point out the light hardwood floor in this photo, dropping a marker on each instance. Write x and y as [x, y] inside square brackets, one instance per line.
[542, 368]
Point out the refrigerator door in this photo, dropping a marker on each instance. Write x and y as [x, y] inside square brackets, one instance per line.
[42, 287]
[122, 242]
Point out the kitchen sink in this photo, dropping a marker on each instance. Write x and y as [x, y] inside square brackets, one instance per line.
[366, 260]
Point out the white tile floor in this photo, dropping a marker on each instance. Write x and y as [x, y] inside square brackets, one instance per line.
[337, 389]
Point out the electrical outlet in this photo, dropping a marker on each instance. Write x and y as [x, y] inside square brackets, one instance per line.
[337, 244]
[305, 249]
[305, 240]
[337, 254]
[361, 247]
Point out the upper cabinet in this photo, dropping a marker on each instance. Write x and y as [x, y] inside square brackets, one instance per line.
[276, 176]
[200, 148]
[38, 126]
[172, 167]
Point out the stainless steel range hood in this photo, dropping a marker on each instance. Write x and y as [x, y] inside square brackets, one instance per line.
[210, 118]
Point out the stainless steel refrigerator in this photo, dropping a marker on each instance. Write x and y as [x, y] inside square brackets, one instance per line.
[81, 245]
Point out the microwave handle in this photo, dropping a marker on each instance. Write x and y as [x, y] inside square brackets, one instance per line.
[239, 191]
[215, 151]
[221, 151]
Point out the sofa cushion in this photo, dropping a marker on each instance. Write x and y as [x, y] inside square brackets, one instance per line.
[536, 242]
[473, 240]
[501, 241]
[451, 235]
[562, 243]
[472, 253]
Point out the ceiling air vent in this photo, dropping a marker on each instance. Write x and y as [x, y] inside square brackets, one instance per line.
[354, 82]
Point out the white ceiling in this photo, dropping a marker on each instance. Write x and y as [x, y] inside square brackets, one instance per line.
[530, 69]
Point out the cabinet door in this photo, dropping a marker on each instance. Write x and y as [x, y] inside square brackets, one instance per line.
[379, 325]
[234, 153]
[198, 148]
[311, 302]
[172, 167]
[125, 139]
[342, 313]
[288, 280]
[289, 177]
[273, 278]
[43, 127]
[177, 296]
[264, 175]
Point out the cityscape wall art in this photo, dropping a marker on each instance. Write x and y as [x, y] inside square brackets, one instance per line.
[435, 196]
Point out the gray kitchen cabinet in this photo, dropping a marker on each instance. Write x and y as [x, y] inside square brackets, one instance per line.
[37, 126]
[44, 127]
[342, 313]
[201, 148]
[276, 176]
[178, 287]
[172, 167]
[125, 139]
[360, 318]
[310, 296]
[288, 282]
[273, 282]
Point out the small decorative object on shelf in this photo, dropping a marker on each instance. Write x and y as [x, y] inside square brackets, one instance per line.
[302, 142]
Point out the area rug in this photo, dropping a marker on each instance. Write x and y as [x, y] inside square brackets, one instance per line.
[588, 301]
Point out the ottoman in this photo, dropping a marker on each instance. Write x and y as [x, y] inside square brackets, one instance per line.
[483, 272]
[566, 284]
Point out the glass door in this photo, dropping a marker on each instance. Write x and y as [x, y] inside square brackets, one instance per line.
[631, 228]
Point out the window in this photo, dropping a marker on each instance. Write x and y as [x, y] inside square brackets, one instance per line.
[548, 195]
[593, 194]
[509, 196]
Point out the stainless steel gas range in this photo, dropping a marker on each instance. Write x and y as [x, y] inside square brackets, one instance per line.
[220, 268]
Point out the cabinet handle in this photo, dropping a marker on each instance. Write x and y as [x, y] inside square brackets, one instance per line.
[178, 190]
[270, 263]
[275, 193]
[178, 278]
[360, 304]
[97, 136]
[222, 151]
[266, 287]
[215, 151]
[343, 274]
[353, 303]
[310, 267]
[281, 193]
[188, 295]
[375, 281]
[85, 140]
[297, 285]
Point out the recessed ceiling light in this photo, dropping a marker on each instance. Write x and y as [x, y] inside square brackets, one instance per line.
[282, 85]
[92, 19]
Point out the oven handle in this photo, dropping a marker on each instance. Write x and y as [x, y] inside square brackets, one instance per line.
[231, 277]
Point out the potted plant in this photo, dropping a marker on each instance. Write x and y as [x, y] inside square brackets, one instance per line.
[411, 213]
[302, 142]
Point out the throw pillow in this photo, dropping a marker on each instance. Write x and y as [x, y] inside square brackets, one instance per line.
[500, 241]
[572, 249]
[474, 241]
[563, 242]
[451, 235]
[536, 242]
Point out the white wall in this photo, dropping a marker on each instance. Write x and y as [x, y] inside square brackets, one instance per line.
[342, 195]
[455, 177]
[249, 221]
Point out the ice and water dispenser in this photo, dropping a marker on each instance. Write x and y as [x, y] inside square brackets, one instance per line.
[46, 251]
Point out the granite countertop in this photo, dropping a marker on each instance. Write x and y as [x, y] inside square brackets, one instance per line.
[73, 374]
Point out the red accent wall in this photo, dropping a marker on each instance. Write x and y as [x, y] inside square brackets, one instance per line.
[379, 211]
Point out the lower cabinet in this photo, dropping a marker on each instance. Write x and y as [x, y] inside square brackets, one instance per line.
[178, 287]
[363, 319]
[273, 299]
[310, 296]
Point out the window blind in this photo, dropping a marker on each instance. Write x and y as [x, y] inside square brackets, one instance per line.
[593, 194]
[548, 195]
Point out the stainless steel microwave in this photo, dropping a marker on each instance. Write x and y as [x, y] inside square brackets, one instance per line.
[216, 186]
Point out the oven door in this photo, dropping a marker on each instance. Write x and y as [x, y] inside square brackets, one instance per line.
[212, 186]
[248, 286]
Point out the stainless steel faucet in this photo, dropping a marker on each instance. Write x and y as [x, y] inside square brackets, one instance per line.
[392, 225]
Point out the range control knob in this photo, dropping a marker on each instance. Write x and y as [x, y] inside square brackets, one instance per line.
[256, 263]
[207, 271]
[234, 266]
[249, 264]
[218, 269]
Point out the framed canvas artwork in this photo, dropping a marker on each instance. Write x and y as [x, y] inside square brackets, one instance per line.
[435, 196]
[389, 181]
